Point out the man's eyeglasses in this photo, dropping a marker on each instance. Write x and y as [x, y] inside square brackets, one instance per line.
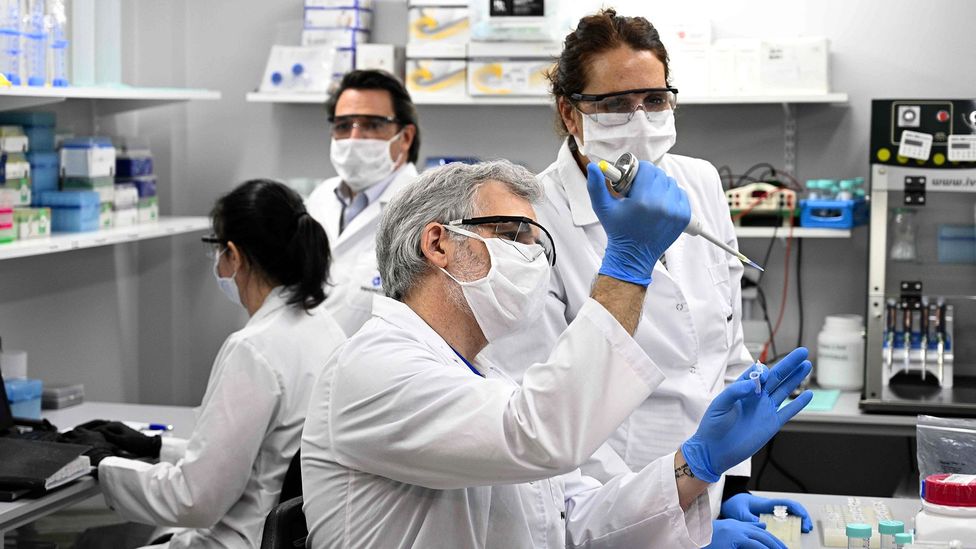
[514, 229]
[614, 109]
[370, 126]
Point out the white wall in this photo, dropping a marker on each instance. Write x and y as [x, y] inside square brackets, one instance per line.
[143, 321]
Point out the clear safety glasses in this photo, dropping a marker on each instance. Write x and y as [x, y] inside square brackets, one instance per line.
[370, 126]
[214, 245]
[614, 109]
[510, 228]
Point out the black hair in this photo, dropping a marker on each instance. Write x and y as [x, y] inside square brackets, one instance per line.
[269, 224]
[403, 108]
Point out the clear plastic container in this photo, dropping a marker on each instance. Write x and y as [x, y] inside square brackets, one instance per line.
[57, 23]
[44, 171]
[858, 536]
[24, 396]
[903, 240]
[10, 35]
[108, 42]
[840, 353]
[35, 43]
[888, 529]
[83, 42]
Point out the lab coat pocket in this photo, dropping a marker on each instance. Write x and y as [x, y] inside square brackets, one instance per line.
[365, 283]
[719, 273]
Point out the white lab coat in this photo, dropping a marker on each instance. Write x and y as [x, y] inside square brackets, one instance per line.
[404, 446]
[691, 327]
[222, 482]
[354, 278]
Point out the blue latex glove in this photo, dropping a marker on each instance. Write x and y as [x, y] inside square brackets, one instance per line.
[739, 422]
[732, 534]
[746, 507]
[641, 225]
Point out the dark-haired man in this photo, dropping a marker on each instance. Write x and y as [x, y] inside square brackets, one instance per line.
[375, 143]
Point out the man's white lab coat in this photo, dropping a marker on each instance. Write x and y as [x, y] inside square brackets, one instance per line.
[404, 446]
[354, 278]
[691, 326]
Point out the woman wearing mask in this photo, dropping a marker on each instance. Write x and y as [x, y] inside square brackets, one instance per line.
[271, 258]
[612, 92]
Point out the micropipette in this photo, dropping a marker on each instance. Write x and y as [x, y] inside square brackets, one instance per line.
[621, 175]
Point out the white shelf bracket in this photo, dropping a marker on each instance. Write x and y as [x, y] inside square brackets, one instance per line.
[789, 138]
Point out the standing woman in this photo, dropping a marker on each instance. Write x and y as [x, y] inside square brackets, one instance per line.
[271, 258]
[612, 92]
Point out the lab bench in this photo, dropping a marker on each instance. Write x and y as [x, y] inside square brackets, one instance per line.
[24, 511]
[847, 418]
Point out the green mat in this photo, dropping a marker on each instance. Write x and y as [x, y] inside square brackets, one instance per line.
[823, 400]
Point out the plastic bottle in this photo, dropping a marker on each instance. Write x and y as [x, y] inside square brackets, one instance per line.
[888, 529]
[57, 24]
[108, 42]
[10, 34]
[813, 189]
[858, 536]
[828, 189]
[903, 540]
[35, 43]
[840, 353]
[846, 191]
[83, 42]
[948, 508]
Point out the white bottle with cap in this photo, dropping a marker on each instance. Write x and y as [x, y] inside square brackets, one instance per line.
[840, 353]
[948, 509]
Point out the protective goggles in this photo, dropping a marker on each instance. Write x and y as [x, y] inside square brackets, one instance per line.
[215, 245]
[514, 229]
[370, 126]
[614, 109]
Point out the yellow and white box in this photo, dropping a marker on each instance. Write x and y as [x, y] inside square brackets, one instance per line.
[338, 18]
[439, 24]
[437, 77]
[515, 77]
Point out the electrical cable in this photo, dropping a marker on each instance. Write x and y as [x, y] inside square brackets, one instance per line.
[761, 297]
[786, 286]
[799, 293]
[755, 167]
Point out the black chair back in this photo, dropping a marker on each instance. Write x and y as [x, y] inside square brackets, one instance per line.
[291, 488]
[285, 526]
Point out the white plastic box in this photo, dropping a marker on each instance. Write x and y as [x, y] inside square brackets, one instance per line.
[439, 24]
[87, 158]
[433, 77]
[339, 38]
[515, 77]
[385, 57]
[688, 42]
[125, 217]
[733, 67]
[338, 18]
[798, 65]
[361, 4]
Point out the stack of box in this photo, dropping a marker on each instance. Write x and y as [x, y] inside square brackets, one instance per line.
[135, 184]
[88, 164]
[31, 223]
[7, 231]
[344, 24]
[510, 68]
[437, 49]
[15, 183]
[42, 166]
[73, 211]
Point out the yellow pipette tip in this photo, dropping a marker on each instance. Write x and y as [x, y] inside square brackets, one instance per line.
[750, 262]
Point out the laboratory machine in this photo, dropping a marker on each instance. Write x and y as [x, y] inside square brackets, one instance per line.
[922, 258]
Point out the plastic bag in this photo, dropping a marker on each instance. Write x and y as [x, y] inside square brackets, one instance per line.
[946, 445]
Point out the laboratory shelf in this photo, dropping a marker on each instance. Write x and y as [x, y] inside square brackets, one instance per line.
[63, 242]
[282, 97]
[798, 232]
[546, 101]
[111, 99]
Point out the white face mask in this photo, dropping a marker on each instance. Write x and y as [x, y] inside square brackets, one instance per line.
[227, 284]
[361, 163]
[510, 297]
[647, 136]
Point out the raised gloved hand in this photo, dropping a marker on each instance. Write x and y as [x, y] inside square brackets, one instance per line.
[739, 422]
[130, 440]
[640, 226]
[746, 507]
[732, 534]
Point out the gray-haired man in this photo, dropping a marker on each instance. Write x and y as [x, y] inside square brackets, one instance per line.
[411, 441]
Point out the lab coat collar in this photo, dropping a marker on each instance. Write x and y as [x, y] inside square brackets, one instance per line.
[403, 175]
[574, 186]
[402, 316]
[277, 298]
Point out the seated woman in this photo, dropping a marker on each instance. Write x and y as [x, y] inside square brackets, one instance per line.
[272, 258]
